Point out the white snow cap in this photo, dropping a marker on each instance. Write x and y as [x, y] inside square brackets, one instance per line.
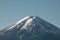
[28, 19]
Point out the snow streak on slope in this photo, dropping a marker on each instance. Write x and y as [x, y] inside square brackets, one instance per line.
[22, 20]
[27, 23]
[19, 22]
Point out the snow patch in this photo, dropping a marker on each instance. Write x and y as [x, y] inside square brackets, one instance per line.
[28, 23]
[22, 20]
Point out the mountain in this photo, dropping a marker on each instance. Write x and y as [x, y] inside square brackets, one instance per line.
[30, 28]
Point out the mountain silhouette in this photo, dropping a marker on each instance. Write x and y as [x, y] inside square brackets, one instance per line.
[31, 28]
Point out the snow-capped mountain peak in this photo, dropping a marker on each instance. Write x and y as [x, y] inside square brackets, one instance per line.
[26, 20]
[31, 28]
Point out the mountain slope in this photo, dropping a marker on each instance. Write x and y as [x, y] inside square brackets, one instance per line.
[30, 28]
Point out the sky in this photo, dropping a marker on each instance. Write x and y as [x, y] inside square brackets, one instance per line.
[13, 10]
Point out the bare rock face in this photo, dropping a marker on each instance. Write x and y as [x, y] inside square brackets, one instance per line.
[31, 28]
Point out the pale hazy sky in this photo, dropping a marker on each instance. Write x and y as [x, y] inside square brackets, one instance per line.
[12, 10]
